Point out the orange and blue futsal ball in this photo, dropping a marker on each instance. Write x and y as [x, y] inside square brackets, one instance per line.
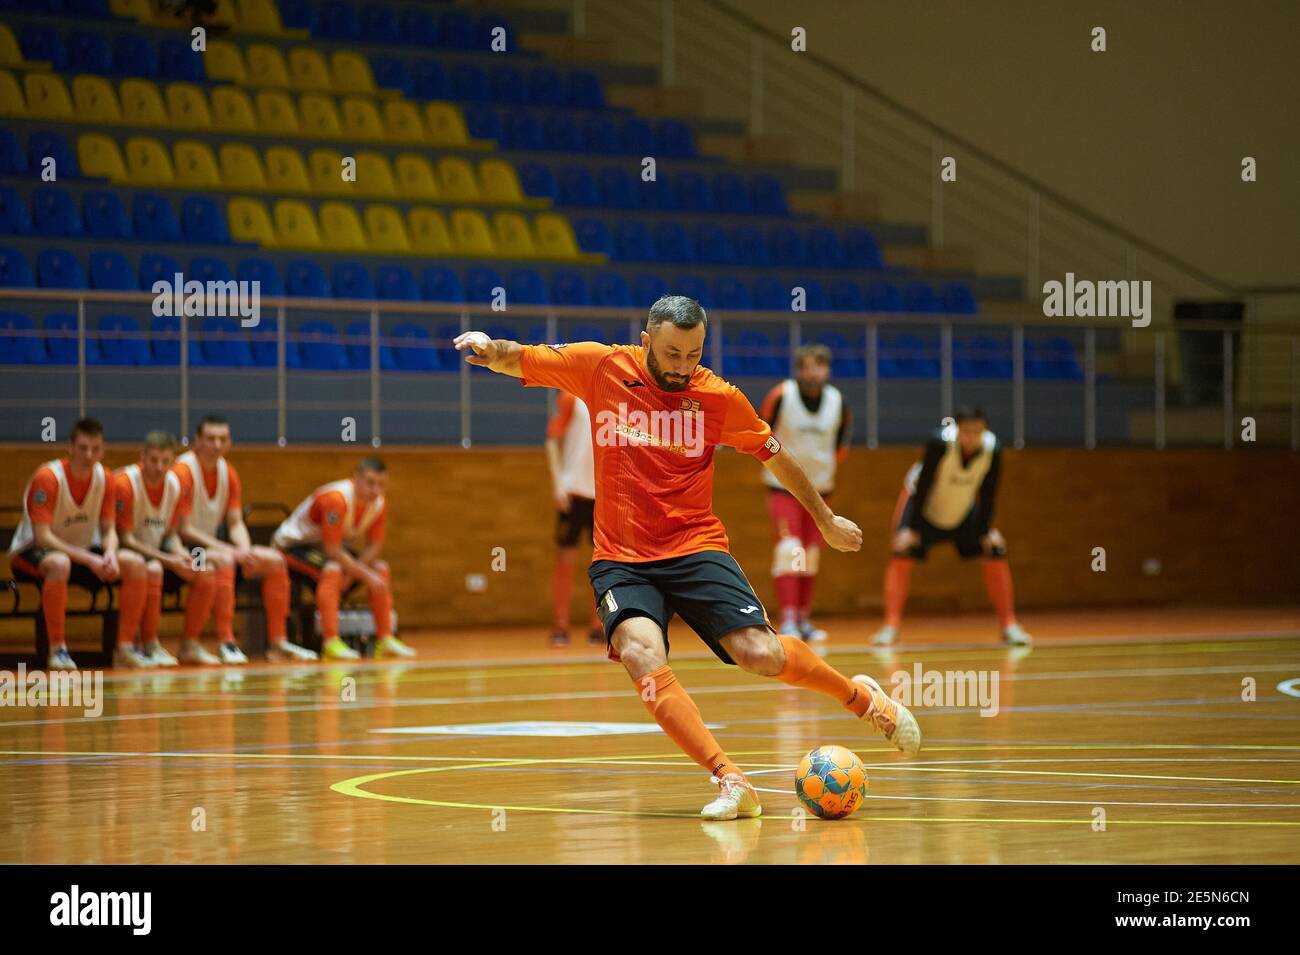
[831, 782]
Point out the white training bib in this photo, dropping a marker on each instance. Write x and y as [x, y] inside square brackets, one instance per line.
[952, 495]
[149, 522]
[299, 529]
[811, 438]
[577, 461]
[77, 524]
[207, 514]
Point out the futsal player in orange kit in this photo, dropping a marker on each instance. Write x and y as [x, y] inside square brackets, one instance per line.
[660, 549]
[573, 487]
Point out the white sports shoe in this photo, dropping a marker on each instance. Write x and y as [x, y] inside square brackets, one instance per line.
[159, 655]
[736, 800]
[392, 647]
[231, 654]
[129, 658]
[194, 652]
[811, 633]
[1016, 636]
[885, 636]
[61, 659]
[892, 719]
[284, 650]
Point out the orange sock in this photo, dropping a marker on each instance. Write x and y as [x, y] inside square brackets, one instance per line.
[152, 610]
[130, 603]
[997, 581]
[675, 711]
[223, 604]
[805, 668]
[327, 602]
[381, 608]
[275, 600]
[897, 576]
[54, 605]
[198, 603]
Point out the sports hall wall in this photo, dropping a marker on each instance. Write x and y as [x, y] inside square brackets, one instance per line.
[1222, 524]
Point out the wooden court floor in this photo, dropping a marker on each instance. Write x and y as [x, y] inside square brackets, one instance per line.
[1106, 747]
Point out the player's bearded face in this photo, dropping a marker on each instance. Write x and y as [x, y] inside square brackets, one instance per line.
[672, 354]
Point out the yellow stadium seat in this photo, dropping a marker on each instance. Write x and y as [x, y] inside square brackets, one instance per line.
[429, 234]
[470, 233]
[223, 61]
[12, 102]
[196, 167]
[249, 222]
[276, 113]
[499, 181]
[260, 16]
[295, 225]
[98, 155]
[445, 125]
[224, 15]
[512, 235]
[415, 177]
[402, 122]
[285, 170]
[374, 175]
[385, 230]
[456, 180]
[47, 96]
[187, 107]
[95, 99]
[147, 162]
[241, 167]
[11, 54]
[555, 237]
[307, 70]
[326, 172]
[319, 117]
[231, 110]
[351, 73]
[141, 103]
[360, 120]
[264, 65]
[340, 228]
[135, 9]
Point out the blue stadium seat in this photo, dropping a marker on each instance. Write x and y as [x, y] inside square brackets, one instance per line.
[522, 130]
[441, 285]
[956, 298]
[90, 52]
[351, 280]
[18, 343]
[618, 190]
[417, 25]
[636, 137]
[632, 242]
[860, 249]
[593, 236]
[824, 249]
[104, 215]
[673, 138]
[730, 292]
[912, 356]
[758, 353]
[1052, 359]
[750, 247]
[391, 73]
[768, 195]
[584, 90]
[980, 356]
[206, 268]
[691, 193]
[263, 345]
[600, 134]
[527, 288]
[479, 283]
[396, 283]
[469, 84]
[646, 289]
[54, 213]
[165, 344]
[671, 243]
[561, 133]
[298, 15]
[154, 218]
[694, 286]
[44, 44]
[484, 122]
[14, 270]
[731, 194]
[846, 296]
[920, 297]
[110, 271]
[507, 86]
[202, 221]
[61, 339]
[456, 31]
[157, 267]
[262, 271]
[544, 87]
[771, 295]
[43, 143]
[337, 20]
[319, 345]
[815, 298]
[379, 24]
[711, 245]
[13, 161]
[59, 268]
[177, 60]
[577, 187]
[15, 219]
[787, 247]
[121, 342]
[847, 359]
[307, 279]
[884, 297]
[358, 349]
[609, 290]
[569, 288]
[413, 348]
[90, 8]
[135, 55]
[428, 79]
[537, 181]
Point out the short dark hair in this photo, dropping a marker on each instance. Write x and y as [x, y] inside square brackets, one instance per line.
[681, 311]
[815, 351]
[372, 464]
[208, 419]
[159, 441]
[90, 427]
[970, 413]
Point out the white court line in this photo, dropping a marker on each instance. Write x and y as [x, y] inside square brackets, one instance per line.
[1290, 687]
[1065, 802]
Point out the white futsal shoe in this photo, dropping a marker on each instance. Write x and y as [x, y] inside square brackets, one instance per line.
[1015, 636]
[156, 652]
[194, 652]
[60, 659]
[284, 650]
[231, 654]
[392, 647]
[810, 633]
[885, 636]
[736, 800]
[892, 719]
[129, 658]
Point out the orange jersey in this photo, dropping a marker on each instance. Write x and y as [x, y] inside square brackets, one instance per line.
[44, 492]
[653, 448]
[329, 511]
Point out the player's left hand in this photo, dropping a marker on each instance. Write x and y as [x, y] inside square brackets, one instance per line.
[842, 534]
[992, 541]
[246, 560]
[110, 565]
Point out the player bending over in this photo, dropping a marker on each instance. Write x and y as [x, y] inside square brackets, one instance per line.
[656, 418]
[333, 538]
[949, 496]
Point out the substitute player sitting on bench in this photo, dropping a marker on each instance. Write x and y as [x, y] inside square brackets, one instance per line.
[335, 537]
[949, 496]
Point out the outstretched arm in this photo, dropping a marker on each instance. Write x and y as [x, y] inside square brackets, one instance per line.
[840, 532]
[495, 354]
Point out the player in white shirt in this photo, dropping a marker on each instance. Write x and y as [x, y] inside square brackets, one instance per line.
[573, 488]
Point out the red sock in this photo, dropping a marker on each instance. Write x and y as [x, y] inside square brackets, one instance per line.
[806, 582]
[198, 603]
[561, 591]
[223, 604]
[130, 608]
[787, 593]
[897, 576]
[54, 605]
[328, 594]
[675, 711]
[275, 601]
[152, 610]
[806, 669]
[997, 580]
[381, 607]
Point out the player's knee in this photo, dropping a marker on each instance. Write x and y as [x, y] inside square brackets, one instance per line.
[756, 650]
[154, 570]
[132, 564]
[332, 569]
[56, 566]
[639, 645]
